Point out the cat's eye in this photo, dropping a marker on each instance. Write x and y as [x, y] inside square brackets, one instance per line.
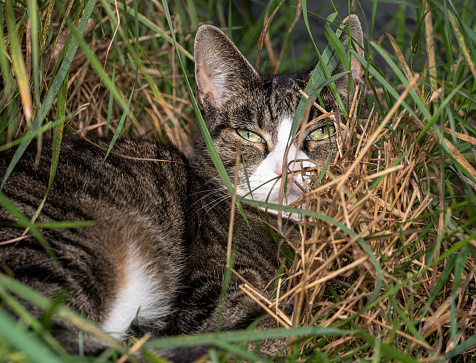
[321, 133]
[250, 135]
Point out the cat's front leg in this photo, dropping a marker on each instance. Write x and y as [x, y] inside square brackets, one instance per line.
[273, 346]
[240, 309]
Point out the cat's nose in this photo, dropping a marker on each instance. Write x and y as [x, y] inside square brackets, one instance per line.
[292, 168]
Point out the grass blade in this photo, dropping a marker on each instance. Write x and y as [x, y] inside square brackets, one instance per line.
[243, 336]
[17, 336]
[18, 63]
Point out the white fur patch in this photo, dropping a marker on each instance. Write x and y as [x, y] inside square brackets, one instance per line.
[141, 296]
[266, 180]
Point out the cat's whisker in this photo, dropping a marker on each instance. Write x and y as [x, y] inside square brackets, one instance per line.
[205, 191]
[212, 192]
[216, 203]
[211, 180]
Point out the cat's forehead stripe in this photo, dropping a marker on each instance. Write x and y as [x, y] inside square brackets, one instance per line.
[275, 98]
[284, 129]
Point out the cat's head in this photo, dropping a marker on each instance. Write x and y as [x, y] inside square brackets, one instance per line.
[241, 106]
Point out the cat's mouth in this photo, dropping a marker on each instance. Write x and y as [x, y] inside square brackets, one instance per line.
[293, 194]
[270, 192]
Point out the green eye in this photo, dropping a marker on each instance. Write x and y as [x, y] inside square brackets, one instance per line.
[250, 136]
[321, 133]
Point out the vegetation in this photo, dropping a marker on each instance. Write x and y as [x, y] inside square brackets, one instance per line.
[387, 272]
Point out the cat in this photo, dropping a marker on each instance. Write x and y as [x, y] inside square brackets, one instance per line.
[158, 245]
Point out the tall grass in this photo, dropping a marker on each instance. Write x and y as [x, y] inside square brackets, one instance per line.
[389, 274]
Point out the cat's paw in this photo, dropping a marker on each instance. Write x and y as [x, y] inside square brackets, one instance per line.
[275, 347]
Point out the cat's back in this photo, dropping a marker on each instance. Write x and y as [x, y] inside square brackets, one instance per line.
[135, 167]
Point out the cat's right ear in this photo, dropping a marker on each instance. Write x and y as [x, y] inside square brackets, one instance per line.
[220, 68]
[352, 24]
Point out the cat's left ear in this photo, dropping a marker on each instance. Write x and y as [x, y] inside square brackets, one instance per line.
[352, 24]
[220, 68]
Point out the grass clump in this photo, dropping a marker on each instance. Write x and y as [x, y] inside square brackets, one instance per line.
[387, 271]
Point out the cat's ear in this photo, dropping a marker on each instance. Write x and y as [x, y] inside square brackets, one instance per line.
[220, 68]
[352, 23]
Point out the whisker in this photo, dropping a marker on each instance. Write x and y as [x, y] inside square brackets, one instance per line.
[212, 192]
[218, 202]
[211, 180]
[215, 203]
[205, 191]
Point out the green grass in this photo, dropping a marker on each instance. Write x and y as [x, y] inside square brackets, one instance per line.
[115, 69]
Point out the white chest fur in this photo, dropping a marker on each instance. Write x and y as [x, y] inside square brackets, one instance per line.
[140, 295]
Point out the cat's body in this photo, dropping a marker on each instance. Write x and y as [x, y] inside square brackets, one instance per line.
[156, 265]
[158, 246]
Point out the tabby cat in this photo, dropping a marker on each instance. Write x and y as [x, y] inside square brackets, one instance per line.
[158, 247]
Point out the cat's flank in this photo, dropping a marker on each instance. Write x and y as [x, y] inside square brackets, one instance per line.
[158, 246]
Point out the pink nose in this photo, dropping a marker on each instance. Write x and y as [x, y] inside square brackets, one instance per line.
[293, 166]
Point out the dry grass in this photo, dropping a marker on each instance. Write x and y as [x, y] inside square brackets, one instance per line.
[376, 256]
[163, 113]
